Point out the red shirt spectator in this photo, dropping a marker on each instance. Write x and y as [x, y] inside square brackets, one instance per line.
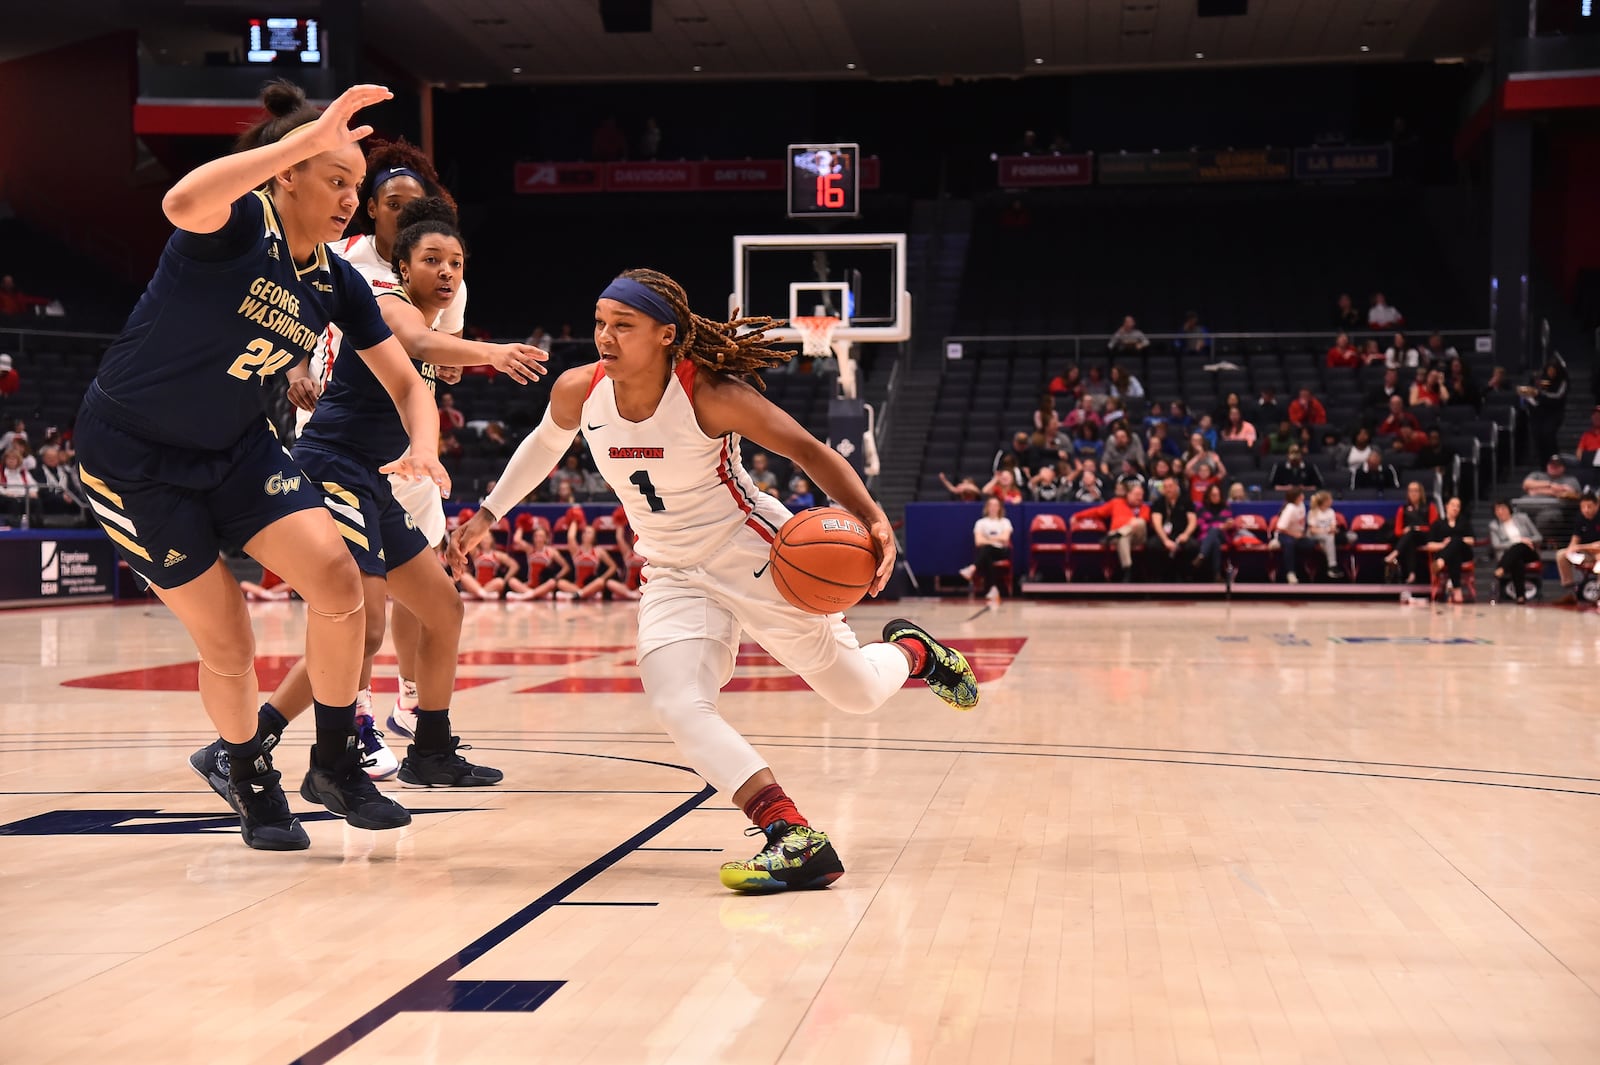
[1590, 440]
[14, 302]
[451, 421]
[1399, 418]
[1343, 354]
[1115, 513]
[1307, 410]
[10, 380]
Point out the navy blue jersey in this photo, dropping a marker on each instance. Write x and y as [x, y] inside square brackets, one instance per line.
[355, 415]
[223, 312]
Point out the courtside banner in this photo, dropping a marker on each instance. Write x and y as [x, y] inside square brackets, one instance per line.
[1321, 164]
[39, 567]
[717, 175]
[1045, 171]
[1185, 168]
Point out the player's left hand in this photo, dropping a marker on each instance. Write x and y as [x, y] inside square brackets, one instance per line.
[447, 375]
[520, 362]
[883, 535]
[420, 468]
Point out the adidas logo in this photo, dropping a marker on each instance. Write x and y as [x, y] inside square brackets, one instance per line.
[174, 557]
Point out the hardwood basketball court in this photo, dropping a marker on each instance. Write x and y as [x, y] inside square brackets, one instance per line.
[1171, 833]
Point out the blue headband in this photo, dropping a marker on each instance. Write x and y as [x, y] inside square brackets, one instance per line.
[640, 297]
[393, 172]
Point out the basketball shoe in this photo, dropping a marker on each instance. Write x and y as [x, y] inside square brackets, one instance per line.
[264, 818]
[795, 857]
[947, 671]
[376, 757]
[445, 768]
[403, 719]
[211, 763]
[345, 789]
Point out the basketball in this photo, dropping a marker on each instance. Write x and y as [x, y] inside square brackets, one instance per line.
[823, 560]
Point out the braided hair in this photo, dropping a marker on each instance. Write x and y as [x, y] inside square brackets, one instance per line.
[719, 347]
[400, 152]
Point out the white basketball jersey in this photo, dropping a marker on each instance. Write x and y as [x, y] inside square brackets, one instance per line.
[361, 252]
[684, 493]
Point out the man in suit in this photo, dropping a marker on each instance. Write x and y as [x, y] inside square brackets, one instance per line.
[60, 491]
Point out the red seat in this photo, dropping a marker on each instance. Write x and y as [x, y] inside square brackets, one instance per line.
[1437, 589]
[1086, 542]
[1047, 542]
[1252, 548]
[1371, 544]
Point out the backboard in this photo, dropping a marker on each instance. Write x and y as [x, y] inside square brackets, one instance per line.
[859, 278]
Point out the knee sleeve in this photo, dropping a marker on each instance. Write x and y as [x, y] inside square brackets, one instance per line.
[861, 679]
[682, 681]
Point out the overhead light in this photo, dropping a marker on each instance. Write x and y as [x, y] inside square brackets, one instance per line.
[849, 66]
[1039, 62]
[697, 68]
[1364, 48]
[1449, 60]
[516, 70]
[1199, 55]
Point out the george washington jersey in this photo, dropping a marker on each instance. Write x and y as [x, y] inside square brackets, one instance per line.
[361, 252]
[684, 493]
[356, 415]
[225, 311]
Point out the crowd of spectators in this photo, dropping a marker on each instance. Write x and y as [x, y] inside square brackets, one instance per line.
[39, 486]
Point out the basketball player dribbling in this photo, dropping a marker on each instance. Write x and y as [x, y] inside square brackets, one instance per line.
[180, 460]
[398, 174]
[663, 412]
[352, 434]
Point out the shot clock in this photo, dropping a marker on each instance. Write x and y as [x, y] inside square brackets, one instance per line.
[824, 180]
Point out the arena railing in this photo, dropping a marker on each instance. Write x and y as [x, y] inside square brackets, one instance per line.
[1078, 346]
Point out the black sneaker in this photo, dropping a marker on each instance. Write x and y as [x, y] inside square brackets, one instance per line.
[444, 768]
[947, 671]
[264, 817]
[795, 857]
[211, 763]
[345, 789]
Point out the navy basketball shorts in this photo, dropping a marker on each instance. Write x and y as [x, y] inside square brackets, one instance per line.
[172, 510]
[379, 532]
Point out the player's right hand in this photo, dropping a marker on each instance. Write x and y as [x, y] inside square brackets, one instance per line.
[304, 393]
[520, 362]
[332, 130]
[464, 539]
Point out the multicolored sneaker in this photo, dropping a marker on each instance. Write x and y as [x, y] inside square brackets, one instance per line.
[947, 672]
[795, 857]
[403, 722]
[376, 757]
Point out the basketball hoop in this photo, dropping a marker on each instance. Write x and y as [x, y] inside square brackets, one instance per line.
[816, 334]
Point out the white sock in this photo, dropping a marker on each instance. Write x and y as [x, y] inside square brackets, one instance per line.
[408, 694]
[364, 702]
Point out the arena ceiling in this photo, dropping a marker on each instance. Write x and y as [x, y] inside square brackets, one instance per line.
[532, 41]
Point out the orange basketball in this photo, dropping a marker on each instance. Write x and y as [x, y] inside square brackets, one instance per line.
[823, 560]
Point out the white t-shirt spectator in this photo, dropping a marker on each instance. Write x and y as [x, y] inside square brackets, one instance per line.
[994, 532]
[1397, 358]
[1292, 520]
[1323, 522]
[1383, 315]
[1357, 457]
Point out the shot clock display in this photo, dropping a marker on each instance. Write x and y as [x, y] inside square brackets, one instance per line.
[824, 180]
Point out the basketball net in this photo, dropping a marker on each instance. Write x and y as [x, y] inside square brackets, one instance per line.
[816, 334]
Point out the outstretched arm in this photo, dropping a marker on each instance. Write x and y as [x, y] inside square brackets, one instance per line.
[520, 362]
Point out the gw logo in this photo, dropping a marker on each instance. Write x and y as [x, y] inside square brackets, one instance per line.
[411, 523]
[278, 485]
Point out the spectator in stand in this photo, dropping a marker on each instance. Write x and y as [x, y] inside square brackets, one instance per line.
[1015, 217]
[15, 303]
[1546, 403]
[1432, 454]
[1068, 383]
[1089, 488]
[1412, 523]
[18, 430]
[1463, 392]
[1360, 448]
[59, 489]
[1161, 442]
[649, 141]
[1040, 455]
[800, 497]
[1096, 386]
[1409, 440]
[966, 489]
[1438, 352]
[1045, 416]
[1430, 390]
[1383, 316]
[1515, 540]
[1294, 474]
[1453, 535]
[1128, 339]
[1402, 354]
[16, 488]
[1290, 533]
[1398, 418]
[1589, 442]
[1581, 550]
[1267, 410]
[1009, 463]
[1196, 337]
[1237, 493]
[451, 421]
[1046, 486]
[1155, 414]
[1199, 451]
[1371, 352]
[10, 379]
[1322, 525]
[1206, 429]
[1345, 315]
[1376, 476]
[761, 470]
[1019, 451]
[1161, 469]
[568, 474]
[1237, 429]
[1122, 447]
[1112, 412]
[1281, 439]
[991, 543]
[1307, 410]
[540, 338]
[1343, 355]
[1129, 521]
[1002, 486]
[1205, 475]
[1499, 381]
[1178, 419]
[1552, 481]
[1083, 412]
[1378, 399]
[1124, 385]
[1086, 440]
[1214, 523]
[1172, 517]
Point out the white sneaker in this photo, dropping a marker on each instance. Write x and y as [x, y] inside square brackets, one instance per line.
[967, 572]
[993, 594]
[1293, 579]
[403, 722]
[376, 757]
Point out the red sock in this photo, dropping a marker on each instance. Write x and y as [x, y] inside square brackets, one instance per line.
[771, 804]
[918, 652]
